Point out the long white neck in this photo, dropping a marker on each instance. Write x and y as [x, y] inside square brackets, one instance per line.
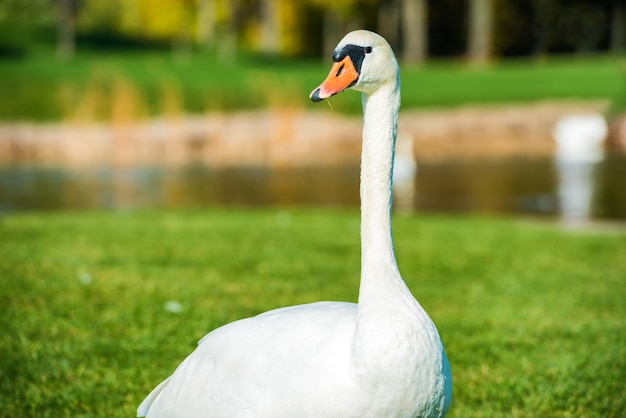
[379, 271]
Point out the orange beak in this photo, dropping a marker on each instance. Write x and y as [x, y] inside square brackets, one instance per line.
[341, 76]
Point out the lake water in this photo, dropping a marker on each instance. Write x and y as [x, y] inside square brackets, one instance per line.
[520, 186]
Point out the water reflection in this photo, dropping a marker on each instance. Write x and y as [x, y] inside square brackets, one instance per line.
[32, 188]
[576, 190]
[536, 186]
[580, 149]
[514, 185]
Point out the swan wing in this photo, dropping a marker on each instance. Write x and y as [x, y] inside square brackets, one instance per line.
[283, 360]
[142, 410]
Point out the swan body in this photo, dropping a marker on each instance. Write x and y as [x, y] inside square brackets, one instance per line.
[381, 357]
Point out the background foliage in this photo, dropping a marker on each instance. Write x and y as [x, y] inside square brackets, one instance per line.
[521, 27]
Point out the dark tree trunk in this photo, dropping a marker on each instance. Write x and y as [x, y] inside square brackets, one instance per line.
[414, 30]
[206, 22]
[333, 31]
[389, 22]
[65, 22]
[542, 19]
[227, 47]
[618, 30]
[480, 30]
[271, 30]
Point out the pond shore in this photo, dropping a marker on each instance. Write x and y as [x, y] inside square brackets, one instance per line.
[292, 137]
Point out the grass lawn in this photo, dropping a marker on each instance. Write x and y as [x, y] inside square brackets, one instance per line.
[532, 316]
[95, 84]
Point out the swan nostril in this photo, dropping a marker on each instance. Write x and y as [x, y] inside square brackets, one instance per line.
[315, 96]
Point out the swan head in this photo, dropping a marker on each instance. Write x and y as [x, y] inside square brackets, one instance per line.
[363, 61]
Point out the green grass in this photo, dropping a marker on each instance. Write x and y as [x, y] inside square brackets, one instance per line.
[515, 81]
[532, 316]
[40, 87]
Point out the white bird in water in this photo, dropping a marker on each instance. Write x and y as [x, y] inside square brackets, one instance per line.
[380, 357]
[580, 147]
[580, 138]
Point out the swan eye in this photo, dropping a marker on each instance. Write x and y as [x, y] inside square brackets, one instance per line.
[368, 49]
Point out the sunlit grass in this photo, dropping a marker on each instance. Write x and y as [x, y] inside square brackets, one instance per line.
[519, 80]
[40, 87]
[532, 316]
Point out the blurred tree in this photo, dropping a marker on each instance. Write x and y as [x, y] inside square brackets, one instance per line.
[185, 33]
[448, 27]
[21, 22]
[414, 30]
[27, 11]
[65, 26]
[543, 21]
[332, 30]
[541, 27]
[271, 32]
[581, 26]
[524, 27]
[480, 30]
[227, 31]
[206, 22]
[295, 22]
[224, 23]
[340, 16]
[388, 23]
[618, 22]
[153, 20]
[103, 16]
[513, 27]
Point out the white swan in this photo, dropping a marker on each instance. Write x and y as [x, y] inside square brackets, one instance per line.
[580, 147]
[580, 138]
[379, 358]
